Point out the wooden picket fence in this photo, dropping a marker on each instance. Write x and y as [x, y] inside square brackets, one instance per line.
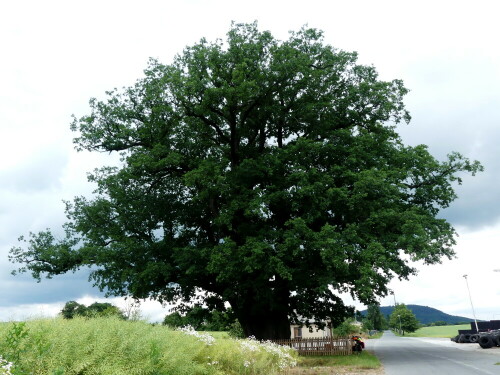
[319, 345]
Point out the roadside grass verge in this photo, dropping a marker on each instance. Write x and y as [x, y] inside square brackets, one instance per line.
[438, 331]
[377, 335]
[108, 346]
[309, 365]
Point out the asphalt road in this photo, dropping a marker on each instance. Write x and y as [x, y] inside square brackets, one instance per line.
[433, 356]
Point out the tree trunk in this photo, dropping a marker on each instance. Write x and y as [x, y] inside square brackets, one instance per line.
[263, 311]
[271, 326]
[266, 318]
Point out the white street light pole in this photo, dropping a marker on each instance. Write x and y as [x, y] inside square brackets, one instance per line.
[470, 298]
[497, 270]
[400, 329]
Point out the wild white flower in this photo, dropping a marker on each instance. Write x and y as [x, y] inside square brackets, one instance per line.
[285, 359]
[281, 353]
[246, 364]
[203, 337]
[250, 344]
[5, 367]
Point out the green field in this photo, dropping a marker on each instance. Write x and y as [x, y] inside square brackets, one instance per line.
[439, 331]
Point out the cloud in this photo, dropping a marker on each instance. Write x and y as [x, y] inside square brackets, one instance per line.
[453, 103]
[42, 172]
[23, 290]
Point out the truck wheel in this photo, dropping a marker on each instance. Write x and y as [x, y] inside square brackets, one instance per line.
[485, 342]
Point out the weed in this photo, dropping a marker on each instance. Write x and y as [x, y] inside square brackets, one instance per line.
[14, 340]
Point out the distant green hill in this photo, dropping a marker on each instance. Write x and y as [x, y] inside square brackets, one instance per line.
[426, 315]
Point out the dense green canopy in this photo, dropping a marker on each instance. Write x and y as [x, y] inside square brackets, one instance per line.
[262, 173]
[374, 319]
[98, 309]
[403, 320]
[201, 319]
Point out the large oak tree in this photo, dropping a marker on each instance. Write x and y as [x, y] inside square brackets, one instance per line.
[261, 173]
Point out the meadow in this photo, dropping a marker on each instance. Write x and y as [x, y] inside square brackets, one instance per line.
[438, 331]
[109, 346]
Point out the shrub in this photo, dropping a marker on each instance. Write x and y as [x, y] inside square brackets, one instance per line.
[236, 331]
[346, 328]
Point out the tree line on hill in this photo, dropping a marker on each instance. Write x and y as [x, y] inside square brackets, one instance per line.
[406, 318]
[401, 319]
[74, 309]
[427, 315]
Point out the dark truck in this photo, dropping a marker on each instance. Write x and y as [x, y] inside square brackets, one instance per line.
[487, 337]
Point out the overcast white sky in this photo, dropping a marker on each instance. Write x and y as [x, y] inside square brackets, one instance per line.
[56, 55]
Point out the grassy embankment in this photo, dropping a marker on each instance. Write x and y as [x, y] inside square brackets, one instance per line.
[438, 331]
[114, 347]
[326, 365]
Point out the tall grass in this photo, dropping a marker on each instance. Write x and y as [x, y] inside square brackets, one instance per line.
[107, 346]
